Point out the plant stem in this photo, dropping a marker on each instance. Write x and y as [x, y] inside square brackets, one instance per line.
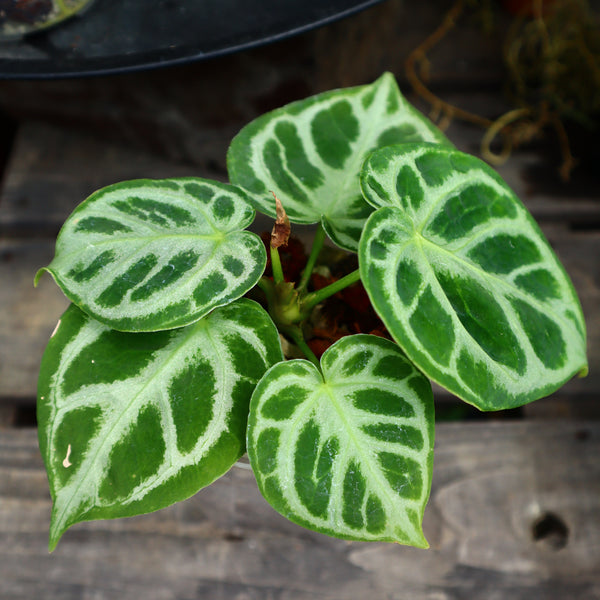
[267, 287]
[296, 334]
[312, 259]
[311, 300]
[276, 266]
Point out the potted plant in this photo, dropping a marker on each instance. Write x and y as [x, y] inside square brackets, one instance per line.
[162, 374]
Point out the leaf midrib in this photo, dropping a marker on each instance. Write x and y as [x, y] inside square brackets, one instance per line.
[148, 239]
[374, 476]
[497, 279]
[114, 268]
[359, 151]
[105, 437]
[337, 483]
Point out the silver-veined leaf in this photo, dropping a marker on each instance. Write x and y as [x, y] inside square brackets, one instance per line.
[347, 452]
[147, 255]
[310, 153]
[464, 279]
[133, 422]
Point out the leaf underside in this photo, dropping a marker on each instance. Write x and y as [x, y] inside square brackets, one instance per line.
[347, 453]
[310, 153]
[148, 255]
[464, 279]
[130, 423]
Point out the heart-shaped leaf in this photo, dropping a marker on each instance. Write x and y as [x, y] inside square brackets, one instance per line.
[310, 153]
[348, 452]
[147, 255]
[133, 422]
[464, 279]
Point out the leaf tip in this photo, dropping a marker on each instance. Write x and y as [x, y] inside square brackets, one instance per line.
[58, 527]
[38, 276]
[583, 372]
[54, 538]
[59, 523]
[418, 540]
[387, 76]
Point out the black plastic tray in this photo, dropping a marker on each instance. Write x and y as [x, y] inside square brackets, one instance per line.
[116, 36]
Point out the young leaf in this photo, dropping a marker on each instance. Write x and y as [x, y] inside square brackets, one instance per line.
[133, 422]
[464, 279]
[309, 153]
[348, 453]
[148, 255]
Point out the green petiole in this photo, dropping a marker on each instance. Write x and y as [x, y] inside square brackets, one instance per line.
[296, 335]
[319, 239]
[276, 266]
[311, 300]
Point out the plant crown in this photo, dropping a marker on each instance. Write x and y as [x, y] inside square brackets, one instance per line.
[162, 374]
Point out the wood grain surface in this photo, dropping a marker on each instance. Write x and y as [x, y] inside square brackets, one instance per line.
[42, 185]
[514, 514]
[515, 505]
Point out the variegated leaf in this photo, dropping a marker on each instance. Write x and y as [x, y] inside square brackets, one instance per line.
[464, 279]
[147, 255]
[133, 422]
[310, 153]
[347, 452]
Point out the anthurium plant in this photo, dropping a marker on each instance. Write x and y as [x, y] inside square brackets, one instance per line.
[162, 373]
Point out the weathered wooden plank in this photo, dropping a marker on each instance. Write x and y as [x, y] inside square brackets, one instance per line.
[29, 315]
[513, 514]
[51, 170]
[8, 415]
[190, 113]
